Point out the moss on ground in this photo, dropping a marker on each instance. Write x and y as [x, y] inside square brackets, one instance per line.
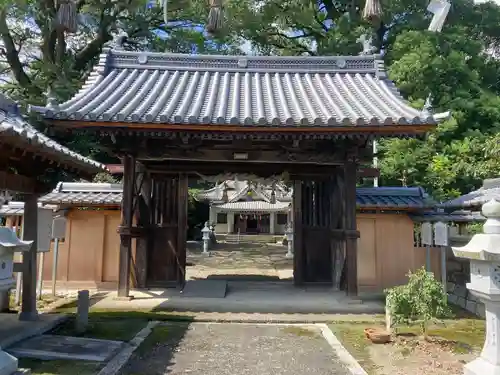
[464, 335]
[60, 367]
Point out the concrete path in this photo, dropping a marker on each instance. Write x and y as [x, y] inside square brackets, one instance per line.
[237, 349]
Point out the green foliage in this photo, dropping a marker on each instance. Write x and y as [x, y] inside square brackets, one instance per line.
[421, 300]
[458, 66]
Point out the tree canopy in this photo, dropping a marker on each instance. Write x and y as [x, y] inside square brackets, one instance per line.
[458, 66]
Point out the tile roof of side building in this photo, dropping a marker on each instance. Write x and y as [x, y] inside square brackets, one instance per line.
[475, 199]
[79, 194]
[12, 124]
[163, 88]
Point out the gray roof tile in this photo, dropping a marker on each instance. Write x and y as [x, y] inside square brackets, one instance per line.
[74, 193]
[490, 190]
[146, 87]
[12, 124]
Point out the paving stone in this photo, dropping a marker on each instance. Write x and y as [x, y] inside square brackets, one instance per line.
[452, 298]
[471, 297]
[480, 310]
[460, 291]
[462, 302]
[47, 347]
[450, 287]
[471, 306]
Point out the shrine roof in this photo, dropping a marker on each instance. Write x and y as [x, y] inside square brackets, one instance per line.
[490, 190]
[164, 88]
[14, 208]
[254, 206]
[12, 125]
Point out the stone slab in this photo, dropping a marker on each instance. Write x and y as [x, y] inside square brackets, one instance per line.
[471, 306]
[12, 330]
[48, 347]
[205, 289]
[460, 291]
[8, 363]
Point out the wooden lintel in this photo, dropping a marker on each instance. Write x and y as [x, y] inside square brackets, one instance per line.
[16, 182]
[375, 129]
[368, 172]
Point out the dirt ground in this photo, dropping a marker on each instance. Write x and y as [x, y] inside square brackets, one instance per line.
[448, 348]
[417, 357]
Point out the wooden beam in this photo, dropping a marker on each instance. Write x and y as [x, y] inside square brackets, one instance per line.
[351, 227]
[126, 224]
[298, 246]
[17, 182]
[28, 307]
[377, 129]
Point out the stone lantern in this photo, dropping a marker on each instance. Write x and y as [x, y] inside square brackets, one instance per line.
[205, 237]
[289, 241]
[483, 250]
[9, 244]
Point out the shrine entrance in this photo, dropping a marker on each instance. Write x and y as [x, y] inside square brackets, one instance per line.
[306, 120]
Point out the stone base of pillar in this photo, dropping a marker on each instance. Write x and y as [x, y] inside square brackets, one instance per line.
[289, 255]
[479, 366]
[8, 363]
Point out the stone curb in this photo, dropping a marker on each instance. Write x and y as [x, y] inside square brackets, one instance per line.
[120, 359]
[345, 357]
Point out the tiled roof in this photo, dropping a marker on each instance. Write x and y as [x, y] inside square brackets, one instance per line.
[75, 193]
[17, 208]
[13, 125]
[454, 217]
[254, 206]
[490, 190]
[392, 197]
[164, 88]
[236, 190]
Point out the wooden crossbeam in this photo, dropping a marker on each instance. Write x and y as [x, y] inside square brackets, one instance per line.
[17, 183]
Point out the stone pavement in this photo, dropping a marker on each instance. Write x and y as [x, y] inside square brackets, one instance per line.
[229, 349]
[248, 297]
[242, 261]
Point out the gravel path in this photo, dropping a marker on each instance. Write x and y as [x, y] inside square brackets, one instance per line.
[237, 349]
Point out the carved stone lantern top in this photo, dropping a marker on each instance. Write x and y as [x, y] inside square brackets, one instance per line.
[10, 244]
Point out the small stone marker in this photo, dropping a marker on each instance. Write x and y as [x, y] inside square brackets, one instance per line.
[82, 311]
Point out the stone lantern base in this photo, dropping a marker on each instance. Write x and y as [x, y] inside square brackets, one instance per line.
[480, 366]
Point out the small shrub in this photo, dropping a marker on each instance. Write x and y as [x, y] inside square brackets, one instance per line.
[421, 300]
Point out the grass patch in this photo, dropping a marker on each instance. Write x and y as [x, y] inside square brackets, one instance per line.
[41, 304]
[60, 367]
[104, 327]
[352, 336]
[156, 337]
[300, 331]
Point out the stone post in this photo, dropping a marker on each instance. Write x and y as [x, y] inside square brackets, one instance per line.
[205, 237]
[483, 250]
[289, 241]
[272, 222]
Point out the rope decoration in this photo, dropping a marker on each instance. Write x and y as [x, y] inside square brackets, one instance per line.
[215, 17]
[372, 11]
[67, 16]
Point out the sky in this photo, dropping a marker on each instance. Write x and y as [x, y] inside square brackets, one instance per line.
[485, 1]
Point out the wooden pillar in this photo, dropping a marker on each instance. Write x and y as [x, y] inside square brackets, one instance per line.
[126, 225]
[298, 246]
[28, 307]
[182, 196]
[143, 216]
[352, 234]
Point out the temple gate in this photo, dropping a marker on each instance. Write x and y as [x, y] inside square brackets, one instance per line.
[308, 120]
